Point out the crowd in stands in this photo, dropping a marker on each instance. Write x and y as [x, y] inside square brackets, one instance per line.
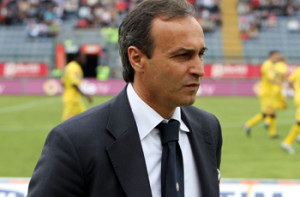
[91, 13]
[44, 17]
[257, 14]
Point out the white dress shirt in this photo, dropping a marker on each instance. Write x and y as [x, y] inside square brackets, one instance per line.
[147, 119]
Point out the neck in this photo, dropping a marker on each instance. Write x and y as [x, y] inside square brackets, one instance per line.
[153, 101]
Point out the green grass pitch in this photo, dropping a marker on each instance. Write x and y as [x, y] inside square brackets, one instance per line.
[26, 120]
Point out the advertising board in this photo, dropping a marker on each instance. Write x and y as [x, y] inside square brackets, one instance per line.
[23, 69]
[17, 187]
[114, 86]
[236, 71]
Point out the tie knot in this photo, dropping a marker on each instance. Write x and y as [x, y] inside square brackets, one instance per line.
[168, 131]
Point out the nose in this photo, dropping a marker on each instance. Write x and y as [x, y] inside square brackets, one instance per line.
[197, 67]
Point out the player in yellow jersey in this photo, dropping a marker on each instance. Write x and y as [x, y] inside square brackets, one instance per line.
[266, 96]
[281, 71]
[71, 80]
[294, 81]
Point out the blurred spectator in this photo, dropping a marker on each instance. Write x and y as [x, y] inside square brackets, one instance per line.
[84, 12]
[121, 6]
[255, 4]
[10, 13]
[70, 7]
[209, 14]
[49, 15]
[206, 21]
[252, 31]
[289, 10]
[41, 29]
[23, 7]
[243, 7]
[293, 25]
[272, 20]
[244, 35]
[244, 24]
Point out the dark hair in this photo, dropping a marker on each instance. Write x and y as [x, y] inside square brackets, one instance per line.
[73, 56]
[273, 52]
[135, 30]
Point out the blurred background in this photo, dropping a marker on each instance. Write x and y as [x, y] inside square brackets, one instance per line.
[35, 36]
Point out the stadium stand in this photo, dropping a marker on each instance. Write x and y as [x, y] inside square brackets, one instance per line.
[276, 38]
[270, 21]
[21, 23]
[214, 43]
[15, 45]
[232, 45]
[224, 31]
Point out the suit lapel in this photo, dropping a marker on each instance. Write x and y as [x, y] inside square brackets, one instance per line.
[201, 141]
[126, 153]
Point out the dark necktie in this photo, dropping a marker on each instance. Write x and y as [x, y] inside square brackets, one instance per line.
[171, 162]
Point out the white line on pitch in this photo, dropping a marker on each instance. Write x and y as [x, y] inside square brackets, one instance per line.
[27, 105]
[25, 128]
[241, 124]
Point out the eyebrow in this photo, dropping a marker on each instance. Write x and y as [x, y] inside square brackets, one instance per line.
[182, 49]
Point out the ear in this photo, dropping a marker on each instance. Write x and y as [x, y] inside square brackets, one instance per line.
[136, 58]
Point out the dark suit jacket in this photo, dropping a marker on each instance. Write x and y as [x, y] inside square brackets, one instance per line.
[98, 153]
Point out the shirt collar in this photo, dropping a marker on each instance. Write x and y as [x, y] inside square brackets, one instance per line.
[147, 118]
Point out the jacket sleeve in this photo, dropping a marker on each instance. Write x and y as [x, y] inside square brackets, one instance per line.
[58, 172]
[219, 147]
[219, 144]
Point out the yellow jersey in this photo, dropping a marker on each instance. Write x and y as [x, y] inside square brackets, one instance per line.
[267, 76]
[72, 76]
[280, 70]
[295, 79]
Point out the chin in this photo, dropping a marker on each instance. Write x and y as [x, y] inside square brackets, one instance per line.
[188, 101]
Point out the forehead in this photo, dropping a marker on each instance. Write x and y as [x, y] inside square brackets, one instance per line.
[177, 32]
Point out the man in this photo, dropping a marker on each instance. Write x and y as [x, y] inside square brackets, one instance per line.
[294, 82]
[281, 71]
[115, 149]
[71, 80]
[267, 97]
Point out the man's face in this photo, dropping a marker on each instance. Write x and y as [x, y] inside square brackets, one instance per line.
[82, 59]
[172, 75]
[275, 57]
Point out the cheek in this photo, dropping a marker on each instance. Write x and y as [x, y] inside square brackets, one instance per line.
[157, 82]
[158, 79]
[165, 75]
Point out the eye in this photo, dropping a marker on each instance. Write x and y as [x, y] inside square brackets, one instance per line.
[183, 56]
[201, 53]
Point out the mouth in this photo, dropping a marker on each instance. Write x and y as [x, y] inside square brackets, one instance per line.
[192, 86]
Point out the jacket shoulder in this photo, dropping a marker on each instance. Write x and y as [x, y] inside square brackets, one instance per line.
[195, 114]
